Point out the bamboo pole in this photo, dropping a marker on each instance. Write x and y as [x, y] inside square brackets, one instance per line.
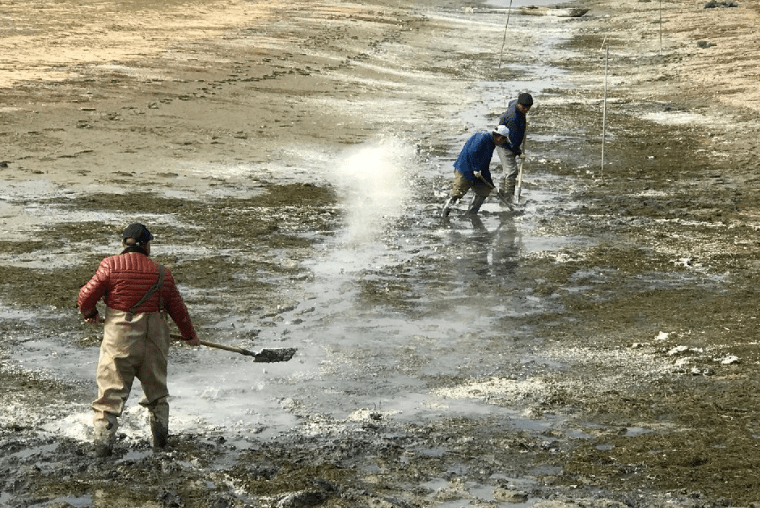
[604, 107]
[504, 40]
[661, 27]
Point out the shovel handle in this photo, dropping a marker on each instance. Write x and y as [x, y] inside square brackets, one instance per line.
[522, 162]
[483, 179]
[218, 346]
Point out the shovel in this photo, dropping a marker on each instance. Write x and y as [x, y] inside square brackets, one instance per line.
[518, 189]
[265, 355]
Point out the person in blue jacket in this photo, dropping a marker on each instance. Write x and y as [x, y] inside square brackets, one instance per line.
[471, 169]
[514, 119]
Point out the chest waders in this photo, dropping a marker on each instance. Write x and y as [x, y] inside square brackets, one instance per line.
[120, 363]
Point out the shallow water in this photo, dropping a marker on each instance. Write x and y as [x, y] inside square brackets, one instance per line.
[350, 355]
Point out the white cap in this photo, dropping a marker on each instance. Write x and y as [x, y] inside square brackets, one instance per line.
[501, 130]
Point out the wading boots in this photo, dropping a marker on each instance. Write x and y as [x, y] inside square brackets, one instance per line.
[477, 202]
[104, 436]
[160, 430]
[447, 206]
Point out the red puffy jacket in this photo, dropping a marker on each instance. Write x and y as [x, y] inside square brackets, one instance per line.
[124, 279]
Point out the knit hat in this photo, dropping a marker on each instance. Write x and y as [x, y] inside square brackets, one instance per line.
[139, 232]
[525, 99]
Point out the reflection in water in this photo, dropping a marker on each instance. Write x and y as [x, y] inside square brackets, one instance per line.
[500, 247]
[483, 253]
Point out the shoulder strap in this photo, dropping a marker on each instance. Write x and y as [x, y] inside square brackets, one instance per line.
[152, 290]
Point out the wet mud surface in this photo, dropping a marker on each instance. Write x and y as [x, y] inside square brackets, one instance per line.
[597, 348]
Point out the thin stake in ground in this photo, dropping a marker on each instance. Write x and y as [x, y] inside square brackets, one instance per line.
[509, 11]
[604, 107]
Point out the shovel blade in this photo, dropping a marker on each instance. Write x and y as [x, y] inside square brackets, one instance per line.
[274, 355]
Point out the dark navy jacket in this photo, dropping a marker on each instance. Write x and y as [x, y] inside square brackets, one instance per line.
[515, 122]
[476, 156]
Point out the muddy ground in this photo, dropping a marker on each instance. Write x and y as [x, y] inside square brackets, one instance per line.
[646, 327]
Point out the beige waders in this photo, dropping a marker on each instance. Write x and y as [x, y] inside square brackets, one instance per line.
[133, 346]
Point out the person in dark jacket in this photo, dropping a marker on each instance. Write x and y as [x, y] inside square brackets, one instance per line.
[514, 119]
[138, 293]
[471, 169]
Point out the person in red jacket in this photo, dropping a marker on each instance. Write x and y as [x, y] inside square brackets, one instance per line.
[138, 293]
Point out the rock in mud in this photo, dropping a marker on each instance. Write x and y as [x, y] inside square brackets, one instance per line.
[302, 499]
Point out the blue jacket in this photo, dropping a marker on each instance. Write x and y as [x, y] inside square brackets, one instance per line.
[515, 122]
[476, 156]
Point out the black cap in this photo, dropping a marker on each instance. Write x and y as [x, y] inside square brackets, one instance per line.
[525, 99]
[139, 232]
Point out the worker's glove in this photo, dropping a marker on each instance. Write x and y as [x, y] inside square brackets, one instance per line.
[476, 174]
[93, 319]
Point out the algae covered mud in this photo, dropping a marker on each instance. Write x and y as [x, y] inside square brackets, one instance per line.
[597, 349]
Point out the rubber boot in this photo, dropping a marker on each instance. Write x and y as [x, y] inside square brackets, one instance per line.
[104, 436]
[509, 191]
[504, 200]
[159, 423]
[160, 431]
[477, 202]
[447, 206]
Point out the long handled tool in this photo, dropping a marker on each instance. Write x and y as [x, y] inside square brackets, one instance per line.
[265, 355]
[518, 188]
[509, 11]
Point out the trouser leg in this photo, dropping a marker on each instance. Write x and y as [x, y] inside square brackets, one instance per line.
[475, 204]
[115, 375]
[114, 379]
[152, 376]
[509, 189]
[481, 191]
[447, 206]
[459, 187]
[159, 422]
[509, 176]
